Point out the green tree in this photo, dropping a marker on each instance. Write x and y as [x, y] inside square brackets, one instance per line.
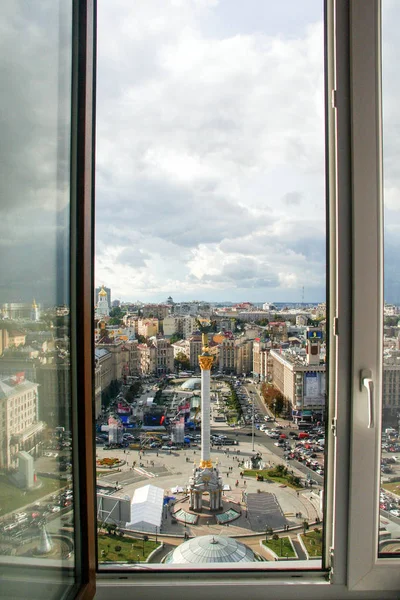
[175, 337]
[115, 321]
[181, 361]
[117, 312]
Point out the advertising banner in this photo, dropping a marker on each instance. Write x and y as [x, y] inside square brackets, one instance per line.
[123, 409]
[314, 389]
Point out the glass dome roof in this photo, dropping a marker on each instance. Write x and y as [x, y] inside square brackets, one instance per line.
[194, 383]
[211, 549]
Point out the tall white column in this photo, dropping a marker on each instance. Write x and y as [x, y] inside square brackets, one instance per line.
[205, 361]
[205, 417]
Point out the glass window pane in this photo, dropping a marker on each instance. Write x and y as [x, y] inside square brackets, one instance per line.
[210, 219]
[389, 501]
[36, 478]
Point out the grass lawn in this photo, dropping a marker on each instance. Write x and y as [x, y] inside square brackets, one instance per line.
[392, 487]
[281, 547]
[131, 548]
[105, 472]
[273, 475]
[12, 498]
[313, 542]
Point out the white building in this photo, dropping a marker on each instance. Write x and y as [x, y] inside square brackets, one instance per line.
[19, 418]
[102, 308]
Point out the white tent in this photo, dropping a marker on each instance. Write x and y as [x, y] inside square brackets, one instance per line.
[147, 509]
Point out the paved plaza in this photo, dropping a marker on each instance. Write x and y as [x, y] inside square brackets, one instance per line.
[260, 504]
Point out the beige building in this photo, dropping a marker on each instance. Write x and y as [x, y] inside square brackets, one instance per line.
[278, 330]
[19, 421]
[227, 356]
[116, 370]
[159, 311]
[130, 358]
[170, 325]
[147, 359]
[391, 388]
[97, 390]
[104, 359]
[302, 384]
[164, 356]
[260, 360]
[147, 327]
[181, 347]
[301, 320]
[243, 356]
[195, 349]
[181, 325]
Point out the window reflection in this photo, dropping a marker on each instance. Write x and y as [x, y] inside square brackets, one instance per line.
[36, 478]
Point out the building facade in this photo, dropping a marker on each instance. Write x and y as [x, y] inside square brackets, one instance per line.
[19, 420]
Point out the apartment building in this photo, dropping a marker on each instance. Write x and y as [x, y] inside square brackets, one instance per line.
[260, 360]
[164, 356]
[158, 311]
[147, 358]
[243, 356]
[301, 383]
[391, 388]
[227, 356]
[147, 327]
[19, 419]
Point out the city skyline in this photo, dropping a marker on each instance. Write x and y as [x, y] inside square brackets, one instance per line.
[209, 185]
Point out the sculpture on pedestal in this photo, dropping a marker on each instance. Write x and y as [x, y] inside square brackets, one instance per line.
[205, 478]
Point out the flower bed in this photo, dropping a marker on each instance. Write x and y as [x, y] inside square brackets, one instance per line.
[108, 462]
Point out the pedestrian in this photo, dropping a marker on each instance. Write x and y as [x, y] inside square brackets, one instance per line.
[244, 483]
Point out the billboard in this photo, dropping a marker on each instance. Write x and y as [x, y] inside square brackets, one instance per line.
[184, 407]
[123, 409]
[314, 389]
[314, 335]
[153, 419]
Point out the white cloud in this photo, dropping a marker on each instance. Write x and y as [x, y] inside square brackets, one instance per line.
[211, 144]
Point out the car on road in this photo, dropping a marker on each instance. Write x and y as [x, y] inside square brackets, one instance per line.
[10, 526]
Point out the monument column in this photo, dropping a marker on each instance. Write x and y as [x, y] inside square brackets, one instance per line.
[205, 361]
[206, 478]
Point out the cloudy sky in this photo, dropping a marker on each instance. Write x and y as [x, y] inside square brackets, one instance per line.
[210, 150]
[34, 150]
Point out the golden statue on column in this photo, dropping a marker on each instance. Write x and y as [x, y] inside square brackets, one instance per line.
[205, 478]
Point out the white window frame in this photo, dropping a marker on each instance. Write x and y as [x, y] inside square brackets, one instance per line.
[354, 328]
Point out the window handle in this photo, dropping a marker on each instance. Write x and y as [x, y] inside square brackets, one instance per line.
[367, 382]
